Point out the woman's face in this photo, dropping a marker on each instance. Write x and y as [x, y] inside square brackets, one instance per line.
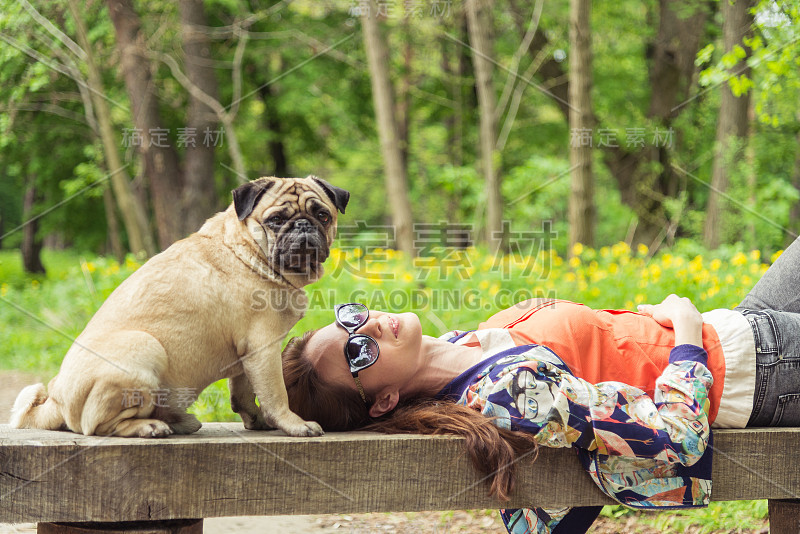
[399, 338]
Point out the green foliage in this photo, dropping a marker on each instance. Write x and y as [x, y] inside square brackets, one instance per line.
[727, 516]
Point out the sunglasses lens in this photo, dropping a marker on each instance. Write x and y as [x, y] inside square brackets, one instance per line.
[362, 352]
[353, 315]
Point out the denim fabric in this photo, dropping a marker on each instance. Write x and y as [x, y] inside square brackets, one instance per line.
[779, 288]
[777, 394]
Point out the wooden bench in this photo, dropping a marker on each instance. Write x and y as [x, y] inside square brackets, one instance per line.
[70, 483]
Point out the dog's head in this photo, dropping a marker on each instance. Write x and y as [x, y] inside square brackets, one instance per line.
[293, 222]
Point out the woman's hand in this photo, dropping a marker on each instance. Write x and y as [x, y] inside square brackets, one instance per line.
[679, 314]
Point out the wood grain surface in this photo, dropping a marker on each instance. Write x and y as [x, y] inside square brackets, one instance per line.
[224, 470]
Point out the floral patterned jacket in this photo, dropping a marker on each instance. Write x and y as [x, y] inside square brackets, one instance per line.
[643, 452]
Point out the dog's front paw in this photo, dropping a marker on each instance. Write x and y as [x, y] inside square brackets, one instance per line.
[305, 429]
[256, 422]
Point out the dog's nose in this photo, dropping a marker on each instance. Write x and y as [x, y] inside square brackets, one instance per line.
[303, 225]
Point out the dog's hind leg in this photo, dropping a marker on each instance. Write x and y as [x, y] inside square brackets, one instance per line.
[34, 409]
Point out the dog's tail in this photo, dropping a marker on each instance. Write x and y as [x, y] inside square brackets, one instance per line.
[34, 409]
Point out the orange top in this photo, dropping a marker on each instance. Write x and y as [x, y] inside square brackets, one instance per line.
[606, 345]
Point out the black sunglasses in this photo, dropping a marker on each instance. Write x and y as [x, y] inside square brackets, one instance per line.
[360, 350]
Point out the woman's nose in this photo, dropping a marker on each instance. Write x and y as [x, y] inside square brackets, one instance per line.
[372, 327]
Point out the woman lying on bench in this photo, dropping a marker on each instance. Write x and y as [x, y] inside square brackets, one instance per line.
[631, 392]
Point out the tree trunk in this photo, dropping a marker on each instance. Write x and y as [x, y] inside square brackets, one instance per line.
[160, 159]
[31, 246]
[404, 95]
[112, 225]
[383, 99]
[272, 121]
[134, 215]
[478, 18]
[732, 121]
[581, 199]
[794, 212]
[269, 94]
[199, 192]
[671, 66]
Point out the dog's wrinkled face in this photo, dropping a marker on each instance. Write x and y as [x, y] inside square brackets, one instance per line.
[293, 221]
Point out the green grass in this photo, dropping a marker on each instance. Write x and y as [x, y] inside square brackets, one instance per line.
[726, 516]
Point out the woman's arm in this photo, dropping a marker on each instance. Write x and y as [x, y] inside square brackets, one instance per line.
[612, 418]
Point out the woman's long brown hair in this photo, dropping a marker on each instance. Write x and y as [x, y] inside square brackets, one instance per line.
[492, 450]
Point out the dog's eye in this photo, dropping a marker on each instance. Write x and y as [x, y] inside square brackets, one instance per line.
[275, 220]
[324, 217]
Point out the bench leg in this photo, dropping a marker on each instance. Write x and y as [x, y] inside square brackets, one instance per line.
[784, 516]
[176, 526]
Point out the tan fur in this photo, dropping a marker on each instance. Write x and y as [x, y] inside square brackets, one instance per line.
[184, 320]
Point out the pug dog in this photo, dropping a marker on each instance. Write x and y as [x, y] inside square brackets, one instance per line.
[184, 320]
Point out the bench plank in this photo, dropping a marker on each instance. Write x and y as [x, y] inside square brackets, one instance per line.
[224, 470]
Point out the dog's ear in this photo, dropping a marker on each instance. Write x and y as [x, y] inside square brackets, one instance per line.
[246, 196]
[339, 196]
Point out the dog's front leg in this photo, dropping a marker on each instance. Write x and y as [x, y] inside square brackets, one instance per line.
[243, 402]
[262, 365]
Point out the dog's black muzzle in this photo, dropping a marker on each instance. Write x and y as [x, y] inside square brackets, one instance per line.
[301, 248]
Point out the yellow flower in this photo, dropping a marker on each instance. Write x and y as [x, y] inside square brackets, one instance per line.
[577, 249]
[357, 252]
[3, 290]
[483, 285]
[739, 259]
[775, 256]
[666, 260]
[407, 277]
[755, 255]
[574, 262]
[629, 304]
[729, 280]
[613, 268]
[35, 284]
[655, 271]
[570, 277]
[639, 298]
[90, 267]
[716, 263]
[494, 289]
[642, 249]
[618, 249]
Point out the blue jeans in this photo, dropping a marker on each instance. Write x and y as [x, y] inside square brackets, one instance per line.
[773, 309]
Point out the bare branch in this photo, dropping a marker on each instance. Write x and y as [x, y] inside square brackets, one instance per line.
[237, 72]
[55, 32]
[47, 108]
[524, 45]
[514, 107]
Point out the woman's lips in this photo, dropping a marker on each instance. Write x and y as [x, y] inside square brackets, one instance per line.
[394, 325]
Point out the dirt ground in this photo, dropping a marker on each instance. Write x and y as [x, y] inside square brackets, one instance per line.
[462, 522]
